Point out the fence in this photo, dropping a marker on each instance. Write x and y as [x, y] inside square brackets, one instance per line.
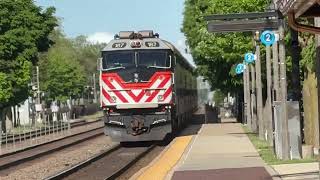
[19, 132]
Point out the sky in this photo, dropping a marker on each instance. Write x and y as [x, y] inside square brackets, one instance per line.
[99, 20]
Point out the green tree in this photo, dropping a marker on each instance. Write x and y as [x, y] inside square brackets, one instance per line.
[218, 97]
[62, 76]
[216, 54]
[87, 53]
[24, 30]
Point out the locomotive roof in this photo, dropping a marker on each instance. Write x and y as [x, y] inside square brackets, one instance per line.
[145, 43]
[111, 46]
[173, 48]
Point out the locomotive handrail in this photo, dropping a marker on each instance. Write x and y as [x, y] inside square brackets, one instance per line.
[112, 90]
[114, 68]
[159, 67]
[132, 82]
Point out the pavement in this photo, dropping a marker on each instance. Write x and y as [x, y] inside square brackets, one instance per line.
[219, 151]
[300, 171]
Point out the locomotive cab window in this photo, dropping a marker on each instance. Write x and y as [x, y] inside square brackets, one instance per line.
[118, 60]
[154, 59]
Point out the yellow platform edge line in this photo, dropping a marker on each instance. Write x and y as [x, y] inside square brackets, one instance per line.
[167, 161]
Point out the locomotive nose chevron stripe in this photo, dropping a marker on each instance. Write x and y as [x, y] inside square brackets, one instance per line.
[136, 92]
[115, 91]
[162, 84]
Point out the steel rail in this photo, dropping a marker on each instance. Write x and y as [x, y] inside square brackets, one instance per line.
[130, 164]
[106, 154]
[75, 168]
[25, 155]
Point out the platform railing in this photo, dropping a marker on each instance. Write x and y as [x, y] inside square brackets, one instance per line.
[36, 132]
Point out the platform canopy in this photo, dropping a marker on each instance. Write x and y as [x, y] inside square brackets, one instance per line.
[299, 8]
[308, 8]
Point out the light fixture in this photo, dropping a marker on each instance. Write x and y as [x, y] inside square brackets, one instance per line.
[135, 44]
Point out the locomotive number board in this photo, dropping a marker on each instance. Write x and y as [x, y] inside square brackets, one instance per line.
[152, 44]
[119, 45]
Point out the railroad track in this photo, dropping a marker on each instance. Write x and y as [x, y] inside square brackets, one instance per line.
[43, 131]
[9, 161]
[107, 165]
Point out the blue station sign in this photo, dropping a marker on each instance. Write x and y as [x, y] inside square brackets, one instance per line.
[249, 58]
[268, 38]
[240, 68]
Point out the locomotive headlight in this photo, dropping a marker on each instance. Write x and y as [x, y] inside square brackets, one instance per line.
[160, 98]
[114, 99]
[136, 77]
[135, 44]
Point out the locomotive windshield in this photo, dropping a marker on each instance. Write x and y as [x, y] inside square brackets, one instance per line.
[141, 58]
[119, 59]
[153, 59]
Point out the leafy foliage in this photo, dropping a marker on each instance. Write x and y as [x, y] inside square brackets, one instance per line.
[67, 68]
[62, 76]
[87, 53]
[23, 33]
[218, 97]
[309, 55]
[216, 54]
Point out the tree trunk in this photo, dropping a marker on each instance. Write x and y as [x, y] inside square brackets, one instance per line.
[2, 120]
[5, 120]
[239, 101]
[8, 119]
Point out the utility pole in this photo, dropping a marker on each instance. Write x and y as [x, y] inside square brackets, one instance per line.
[259, 86]
[317, 24]
[275, 57]
[38, 86]
[247, 74]
[253, 100]
[94, 88]
[38, 100]
[283, 84]
[269, 95]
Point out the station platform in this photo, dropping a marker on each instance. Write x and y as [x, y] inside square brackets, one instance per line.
[216, 151]
[221, 151]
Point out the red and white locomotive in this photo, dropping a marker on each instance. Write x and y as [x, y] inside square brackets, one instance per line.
[147, 88]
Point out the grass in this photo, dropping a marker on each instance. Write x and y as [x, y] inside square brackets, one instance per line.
[266, 151]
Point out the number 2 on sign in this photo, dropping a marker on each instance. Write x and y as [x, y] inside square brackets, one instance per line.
[268, 37]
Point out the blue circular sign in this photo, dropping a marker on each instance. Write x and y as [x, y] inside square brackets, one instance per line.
[249, 58]
[239, 68]
[268, 38]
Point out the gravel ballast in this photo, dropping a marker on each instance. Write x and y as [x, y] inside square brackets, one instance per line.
[53, 163]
